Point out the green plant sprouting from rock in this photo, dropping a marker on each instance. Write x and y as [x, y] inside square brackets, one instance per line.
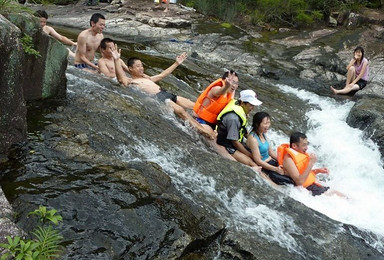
[44, 245]
[27, 43]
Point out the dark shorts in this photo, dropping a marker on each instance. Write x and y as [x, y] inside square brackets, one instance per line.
[203, 122]
[164, 95]
[83, 66]
[362, 83]
[277, 177]
[317, 189]
[231, 149]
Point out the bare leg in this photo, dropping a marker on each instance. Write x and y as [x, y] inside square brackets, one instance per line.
[244, 159]
[185, 102]
[351, 75]
[180, 112]
[345, 90]
[220, 149]
[166, 6]
[335, 192]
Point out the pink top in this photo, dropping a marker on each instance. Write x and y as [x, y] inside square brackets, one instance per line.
[358, 69]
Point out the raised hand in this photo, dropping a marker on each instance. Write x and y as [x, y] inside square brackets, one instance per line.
[229, 81]
[181, 58]
[115, 52]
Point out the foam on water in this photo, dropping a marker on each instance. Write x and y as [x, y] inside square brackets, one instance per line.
[355, 169]
[355, 165]
[240, 212]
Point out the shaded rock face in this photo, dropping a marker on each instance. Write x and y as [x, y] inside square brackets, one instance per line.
[25, 77]
[13, 125]
[43, 76]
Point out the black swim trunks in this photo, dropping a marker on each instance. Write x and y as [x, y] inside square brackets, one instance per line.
[317, 189]
[277, 177]
[164, 95]
[362, 83]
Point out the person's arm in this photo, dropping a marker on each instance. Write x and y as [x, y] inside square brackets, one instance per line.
[292, 171]
[82, 50]
[58, 36]
[363, 69]
[321, 170]
[350, 64]
[120, 74]
[125, 67]
[180, 59]
[104, 69]
[219, 91]
[253, 144]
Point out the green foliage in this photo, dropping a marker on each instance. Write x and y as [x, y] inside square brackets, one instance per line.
[45, 215]
[27, 43]
[9, 6]
[226, 25]
[276, 12]
[44, 246]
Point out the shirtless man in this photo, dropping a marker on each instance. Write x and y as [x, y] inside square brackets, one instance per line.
[88, 42]
[148, 84]
[106, 62]
[51, 32]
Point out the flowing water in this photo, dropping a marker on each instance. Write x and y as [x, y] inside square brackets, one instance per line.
[77, 189]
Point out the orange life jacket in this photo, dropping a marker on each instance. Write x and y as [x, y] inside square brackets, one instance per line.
[301, 161]
[209, 112]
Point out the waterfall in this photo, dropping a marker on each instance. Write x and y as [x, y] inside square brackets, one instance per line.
[354, 161]
[355, 168]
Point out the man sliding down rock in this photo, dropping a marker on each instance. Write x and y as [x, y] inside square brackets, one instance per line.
[148, 84]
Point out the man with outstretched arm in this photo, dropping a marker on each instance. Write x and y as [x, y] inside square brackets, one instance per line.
[88, 42]
[298, 164]
[148, 84]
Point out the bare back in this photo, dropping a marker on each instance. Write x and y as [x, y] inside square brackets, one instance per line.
[87, 45]
[146, 85]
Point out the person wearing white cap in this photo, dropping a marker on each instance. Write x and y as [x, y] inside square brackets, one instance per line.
[232, 122]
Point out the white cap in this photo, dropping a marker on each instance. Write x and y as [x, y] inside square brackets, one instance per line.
[250, 96]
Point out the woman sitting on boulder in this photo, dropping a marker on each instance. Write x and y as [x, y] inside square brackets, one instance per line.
[357, 75]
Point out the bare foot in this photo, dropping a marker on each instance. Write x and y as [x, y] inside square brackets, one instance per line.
[333, 90]
[165, 10]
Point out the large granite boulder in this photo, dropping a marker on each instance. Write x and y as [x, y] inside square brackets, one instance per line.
[13, 127]
[43, 75]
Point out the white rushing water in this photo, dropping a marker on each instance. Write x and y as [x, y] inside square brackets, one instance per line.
[354, 162]
[355, 170]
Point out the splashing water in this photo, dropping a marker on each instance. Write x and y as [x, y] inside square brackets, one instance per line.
[355, 165]
[355, 170]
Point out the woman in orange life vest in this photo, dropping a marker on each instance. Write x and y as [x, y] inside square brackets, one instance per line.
[298, 164]
[214, 98]
[262, 152]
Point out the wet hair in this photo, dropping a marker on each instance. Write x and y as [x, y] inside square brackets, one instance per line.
[95, 18]
[258, 118]
[359, 48]
[131, 61]
[295, 138]
[103, 43]
[225, 75]
[41, 13]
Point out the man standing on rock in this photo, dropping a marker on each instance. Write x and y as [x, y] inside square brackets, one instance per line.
[148, 84]
[88, 42]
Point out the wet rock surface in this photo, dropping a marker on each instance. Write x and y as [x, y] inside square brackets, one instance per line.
[121, 159]
[122, 171]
